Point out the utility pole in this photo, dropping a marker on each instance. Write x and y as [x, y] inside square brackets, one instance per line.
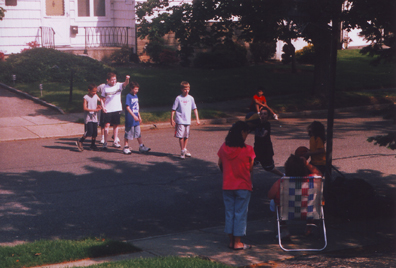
[331, 98]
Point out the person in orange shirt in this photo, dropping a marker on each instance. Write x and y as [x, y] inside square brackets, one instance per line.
[317, 140]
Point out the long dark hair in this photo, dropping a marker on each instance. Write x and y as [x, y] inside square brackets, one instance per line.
[318, 130]
[234, 137]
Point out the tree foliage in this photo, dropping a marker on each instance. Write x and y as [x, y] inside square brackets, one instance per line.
[388, 140]
[204, 23]
[377, 20]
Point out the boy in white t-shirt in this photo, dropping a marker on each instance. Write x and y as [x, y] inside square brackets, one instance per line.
[112, 106]
[181, 110]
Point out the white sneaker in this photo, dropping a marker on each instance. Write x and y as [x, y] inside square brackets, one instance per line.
[127, 150]
[117, 144]
[183, 154]
[104, 148]
[144, 149]
[187, 153]
[276, 117]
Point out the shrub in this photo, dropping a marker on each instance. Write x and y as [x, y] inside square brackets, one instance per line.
[262, 51]
[49, 65]
[306, 55]
[154, 49]
[121, 56]
[124, 56]
[168, 57]
[228, 55]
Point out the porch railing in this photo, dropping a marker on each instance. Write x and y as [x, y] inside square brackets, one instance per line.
[106, 36]
[47, 37]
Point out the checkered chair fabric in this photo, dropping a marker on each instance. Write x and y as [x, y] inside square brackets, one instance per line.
[300, 198]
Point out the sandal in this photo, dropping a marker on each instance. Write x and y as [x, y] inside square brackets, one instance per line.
[245, 246]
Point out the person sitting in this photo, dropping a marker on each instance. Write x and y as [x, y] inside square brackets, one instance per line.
[259, 101]
[295, 166]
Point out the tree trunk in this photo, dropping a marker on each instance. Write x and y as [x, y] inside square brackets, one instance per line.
[293, 57]
[321, 81]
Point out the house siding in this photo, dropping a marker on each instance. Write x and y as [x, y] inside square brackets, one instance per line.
[22, 23]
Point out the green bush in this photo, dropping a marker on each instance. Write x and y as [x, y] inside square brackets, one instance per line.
[306, 55]
[168, 57]
[154, 49]
[49, 65]
[121, 56]
[227, 55]
[262, 51]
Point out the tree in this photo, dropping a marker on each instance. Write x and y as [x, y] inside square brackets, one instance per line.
[388, 140]
[377, 20]
[253, 20]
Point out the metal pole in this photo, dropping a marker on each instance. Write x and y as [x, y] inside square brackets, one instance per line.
[331, 98]
[71, 87]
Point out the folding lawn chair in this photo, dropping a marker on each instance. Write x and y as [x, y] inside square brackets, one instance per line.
[301, 199]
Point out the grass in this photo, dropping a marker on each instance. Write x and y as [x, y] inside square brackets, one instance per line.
[160, 86]
[57, 251]
[163, 262]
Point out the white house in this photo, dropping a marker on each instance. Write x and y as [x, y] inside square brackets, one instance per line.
[90, 26]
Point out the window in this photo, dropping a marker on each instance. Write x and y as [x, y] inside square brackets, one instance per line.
[99, 8]
[95, 7]
[54, 7]
[83, 8]
[10, 2]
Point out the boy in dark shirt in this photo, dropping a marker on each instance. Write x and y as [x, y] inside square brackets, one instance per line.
[263, 144]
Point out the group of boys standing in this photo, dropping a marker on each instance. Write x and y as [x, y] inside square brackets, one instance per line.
[109, 113]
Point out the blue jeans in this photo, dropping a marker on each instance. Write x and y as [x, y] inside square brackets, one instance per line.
[236, 204]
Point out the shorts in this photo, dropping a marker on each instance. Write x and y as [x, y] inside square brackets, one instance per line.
[112, 118]
[133, 133]
[267, 162]
[182, 131]
[91, 129]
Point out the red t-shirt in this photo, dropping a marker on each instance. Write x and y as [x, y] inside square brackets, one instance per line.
[236, 167]
[261, 99]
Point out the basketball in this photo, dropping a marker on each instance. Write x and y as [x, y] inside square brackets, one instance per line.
[301, 151]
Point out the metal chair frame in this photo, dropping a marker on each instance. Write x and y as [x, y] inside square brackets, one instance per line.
[290, 209]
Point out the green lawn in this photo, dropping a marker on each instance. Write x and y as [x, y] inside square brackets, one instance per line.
[159, 86]
[57, 251]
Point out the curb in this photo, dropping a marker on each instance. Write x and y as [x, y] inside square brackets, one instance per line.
[373, 107]
[35, 99]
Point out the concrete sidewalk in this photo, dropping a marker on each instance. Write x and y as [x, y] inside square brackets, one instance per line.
[211, 244]
[53, 122]
[65, 125]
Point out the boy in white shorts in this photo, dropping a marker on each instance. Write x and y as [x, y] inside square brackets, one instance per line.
[181, 110]
[133, 120]
[112, 107]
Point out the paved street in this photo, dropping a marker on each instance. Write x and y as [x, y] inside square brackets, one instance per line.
[48, 189]
[168, 206]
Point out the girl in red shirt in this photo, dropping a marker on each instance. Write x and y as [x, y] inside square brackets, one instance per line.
[236, 162]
